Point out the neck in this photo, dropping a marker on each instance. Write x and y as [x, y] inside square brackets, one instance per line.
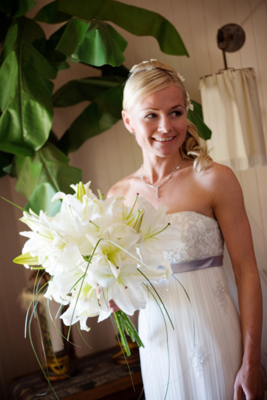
[156, 169]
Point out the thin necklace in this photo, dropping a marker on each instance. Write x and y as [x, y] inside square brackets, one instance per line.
[158, 186]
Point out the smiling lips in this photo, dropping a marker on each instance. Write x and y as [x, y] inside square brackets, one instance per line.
[166, 139]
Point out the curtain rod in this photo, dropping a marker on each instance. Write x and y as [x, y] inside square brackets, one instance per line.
[221, 71]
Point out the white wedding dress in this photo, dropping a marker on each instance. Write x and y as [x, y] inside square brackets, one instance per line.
[199, 359]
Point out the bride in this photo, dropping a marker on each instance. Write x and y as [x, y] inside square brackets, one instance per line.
[212, 353]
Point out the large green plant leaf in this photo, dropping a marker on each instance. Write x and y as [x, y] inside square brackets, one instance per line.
[96, 43]
[196, 117]
[134, 19]
[121, 71]
[23, 6]
[51, 15]
[16, 8]
[5, 23]
[88, 89]
[58, 59]
[25, 96]
[42, 175]
[6, 6]
[5, 161]
[99, 116]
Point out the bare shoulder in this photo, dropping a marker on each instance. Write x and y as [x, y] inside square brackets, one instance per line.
[224, 187]
[119, 189]
[122, 187]
[220, 177]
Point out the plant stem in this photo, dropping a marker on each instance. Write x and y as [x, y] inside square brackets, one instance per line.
[119, 322]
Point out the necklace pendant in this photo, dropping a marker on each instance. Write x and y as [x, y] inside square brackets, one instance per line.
[166, 179]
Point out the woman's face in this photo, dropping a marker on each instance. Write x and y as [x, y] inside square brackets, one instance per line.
[159, 121]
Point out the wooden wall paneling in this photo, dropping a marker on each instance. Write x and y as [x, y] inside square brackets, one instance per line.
[249, 182]
[199, 48]
[259, 21]
[129, 148]
[213, 21]
[108, 163]
[115, 158]
[248, 53]
[186, 65]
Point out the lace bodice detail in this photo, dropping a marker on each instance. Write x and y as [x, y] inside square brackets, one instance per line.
[200, 237]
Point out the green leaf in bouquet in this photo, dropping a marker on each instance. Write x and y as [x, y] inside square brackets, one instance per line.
[26, 258]
[92, 42]
[196, 117]
[99, 116]
[133, 19]
[51, 15]
[25, 98]
[88, 89]
[43, 175]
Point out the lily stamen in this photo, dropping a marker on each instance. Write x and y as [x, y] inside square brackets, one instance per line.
[135, 201]
[157, 233]
[91, 222]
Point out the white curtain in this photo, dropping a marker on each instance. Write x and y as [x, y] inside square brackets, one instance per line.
[231, 109]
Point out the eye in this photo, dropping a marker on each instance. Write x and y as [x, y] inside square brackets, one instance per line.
[151, 115]
[177, 113]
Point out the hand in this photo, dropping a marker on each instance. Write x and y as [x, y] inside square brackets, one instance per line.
[249, 384]
[112, 305]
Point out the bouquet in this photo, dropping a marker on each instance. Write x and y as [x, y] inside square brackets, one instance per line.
[92, 243]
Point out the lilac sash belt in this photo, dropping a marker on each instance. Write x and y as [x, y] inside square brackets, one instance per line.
[215, 261]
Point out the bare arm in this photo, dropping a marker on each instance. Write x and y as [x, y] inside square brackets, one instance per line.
[228, 206]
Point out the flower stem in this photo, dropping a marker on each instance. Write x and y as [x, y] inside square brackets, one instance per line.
[131, 331]
[125, 325]
[119, 322]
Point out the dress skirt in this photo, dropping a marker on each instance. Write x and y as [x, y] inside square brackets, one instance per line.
[200, 357]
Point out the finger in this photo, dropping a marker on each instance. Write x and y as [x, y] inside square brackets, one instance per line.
[113, 306]
[237, 393]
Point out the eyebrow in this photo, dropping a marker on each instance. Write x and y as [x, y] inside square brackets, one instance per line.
[156, 109]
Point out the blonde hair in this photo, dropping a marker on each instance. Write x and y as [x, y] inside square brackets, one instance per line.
[151, 76]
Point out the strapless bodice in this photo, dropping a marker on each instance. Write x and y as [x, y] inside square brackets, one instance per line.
[199, 237]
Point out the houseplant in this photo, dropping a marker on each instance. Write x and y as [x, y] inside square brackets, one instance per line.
[29, 150]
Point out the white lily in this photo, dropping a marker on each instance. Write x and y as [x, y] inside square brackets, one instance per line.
[110, 251]
[88, 305]
[157, 235]
[126, 290]
[93, 242]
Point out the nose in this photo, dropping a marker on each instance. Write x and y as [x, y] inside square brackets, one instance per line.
[164, 124]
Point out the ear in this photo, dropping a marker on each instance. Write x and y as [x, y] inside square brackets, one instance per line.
[127, 121]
